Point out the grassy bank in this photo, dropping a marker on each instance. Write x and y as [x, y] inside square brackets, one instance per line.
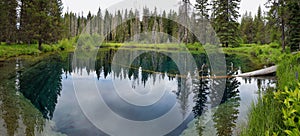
[268, 54]
[259, 54]
[278, 111]
[15, 50]
[167, 46]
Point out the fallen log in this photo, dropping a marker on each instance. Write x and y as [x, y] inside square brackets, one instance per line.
[261, 72]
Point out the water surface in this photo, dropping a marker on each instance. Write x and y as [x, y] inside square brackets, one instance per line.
[73, 95]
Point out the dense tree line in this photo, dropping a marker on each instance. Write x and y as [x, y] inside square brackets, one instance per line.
[280, 24]
[8, 15]
[41, 21]
[124, 25]
[31, 21]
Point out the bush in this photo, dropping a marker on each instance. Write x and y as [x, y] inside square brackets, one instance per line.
[87, 41]
[287, 71]
[274, 45]
[66, 44]
[47, 48]
[290, 101]
[279, 113]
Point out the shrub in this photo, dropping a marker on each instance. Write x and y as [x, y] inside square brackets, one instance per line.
[290, 100]
[87, 41]
[66, 44]
[274, 45]
[287, 71]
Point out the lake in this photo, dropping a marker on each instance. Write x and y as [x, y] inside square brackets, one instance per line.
[126, 92]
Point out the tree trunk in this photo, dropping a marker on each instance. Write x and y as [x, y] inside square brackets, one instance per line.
[40, 45]
[282, 14]
[261, 72]
[282, 35]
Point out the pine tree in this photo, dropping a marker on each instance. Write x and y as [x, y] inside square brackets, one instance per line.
[25, 31]
[173, 26]
[277, 16]
[131, 17]
[259, 27]
[56, 24]
[90, 26]
[99, 19]
[146, 17]
[164, 26]
[66, 26]
[294, 24]
[120, 27]
[203, 17]
[107, 25]
[40, 21]
[202, 7]
[8, 17]
[2, 22]
[183, 16]
[225, 15]
[247, 29]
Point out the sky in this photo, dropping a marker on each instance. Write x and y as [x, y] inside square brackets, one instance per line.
[84, 6]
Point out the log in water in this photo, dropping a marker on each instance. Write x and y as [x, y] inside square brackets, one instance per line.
[261, 72]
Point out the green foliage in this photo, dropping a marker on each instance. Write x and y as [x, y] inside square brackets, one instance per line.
[44, 90]
[247, 29]
[278, 113]
[16, 106]
[8, 17]
[260, 54]
[202, 6]
[225, 15]
[49, 48]
[287, 71]
[290, 100]
[40, 21]
[294, 25]
[259, 28]
[7, 51]
[265, 116]
[274, 45]
[284, 22]
[87, 41]
[67, 44]
[266, 54]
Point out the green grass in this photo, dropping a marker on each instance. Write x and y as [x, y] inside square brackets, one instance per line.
[161, 47]
[264, 117]
[7, 51]
[278, 112]
[268, 55]
[15, 50]
[258, 54]
[287, 71]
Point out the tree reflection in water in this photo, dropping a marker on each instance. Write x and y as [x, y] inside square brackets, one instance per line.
[41, 83]
[201, 90]
[28, 94]
[227, 112]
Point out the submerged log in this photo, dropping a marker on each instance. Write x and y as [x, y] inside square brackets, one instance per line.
[261, 72]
